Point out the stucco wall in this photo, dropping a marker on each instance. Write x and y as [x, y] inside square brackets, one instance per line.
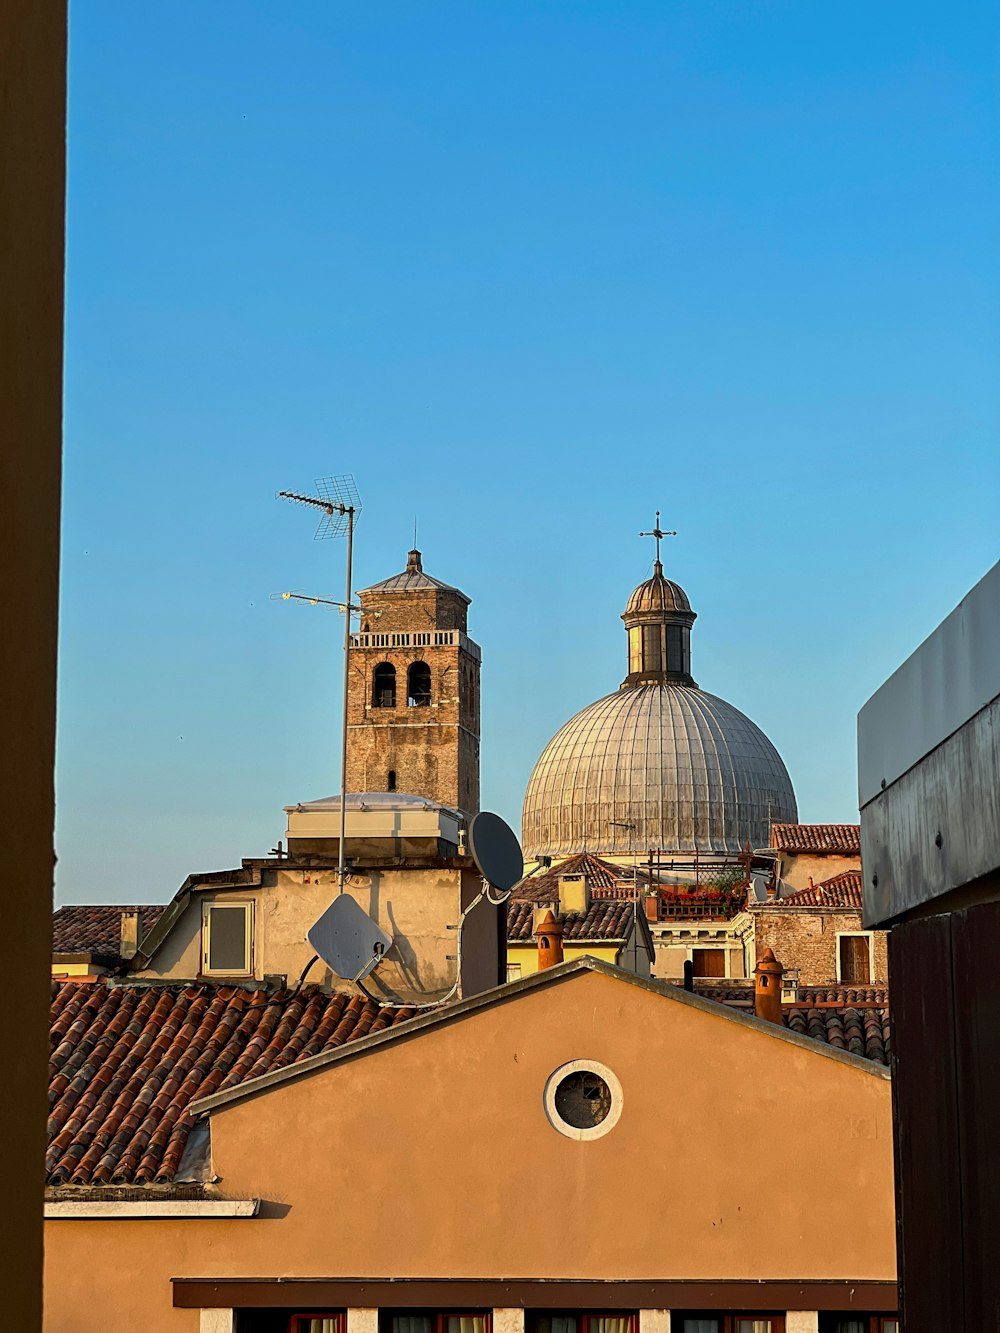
[796, 870]
[414, 906]
[433, 1157]
[527, 954]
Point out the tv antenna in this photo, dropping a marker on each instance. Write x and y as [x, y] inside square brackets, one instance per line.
[340, 502]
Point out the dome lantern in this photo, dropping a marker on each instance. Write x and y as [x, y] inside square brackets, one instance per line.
[658, 620]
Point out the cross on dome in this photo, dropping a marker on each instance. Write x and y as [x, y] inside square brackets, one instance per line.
[659, 534]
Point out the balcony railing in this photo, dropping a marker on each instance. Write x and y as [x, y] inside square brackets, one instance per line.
[422, 638]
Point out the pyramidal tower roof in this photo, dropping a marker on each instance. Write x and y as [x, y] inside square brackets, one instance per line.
[413, 579]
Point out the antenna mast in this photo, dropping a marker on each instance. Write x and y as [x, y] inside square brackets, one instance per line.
[339, 500]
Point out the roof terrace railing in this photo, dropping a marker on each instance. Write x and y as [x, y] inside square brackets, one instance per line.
[424, 638]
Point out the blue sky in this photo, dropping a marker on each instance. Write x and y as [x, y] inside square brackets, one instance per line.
[529, 271]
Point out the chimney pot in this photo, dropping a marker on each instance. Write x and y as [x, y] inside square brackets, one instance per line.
[767, 987]
[131, 934]
[549, 933]
[574, 893]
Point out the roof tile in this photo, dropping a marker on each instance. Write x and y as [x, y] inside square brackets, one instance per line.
[544, 887]
[820, 839]
[97, 928]
[127, 1061]
[841, 891]
[606, 919]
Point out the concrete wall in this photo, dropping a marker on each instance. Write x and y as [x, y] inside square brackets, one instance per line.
[433, 1157]
[414, 906]
[806, 938]
[32, 189]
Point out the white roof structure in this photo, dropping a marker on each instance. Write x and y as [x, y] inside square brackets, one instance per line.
[660, 763]
[685, 769]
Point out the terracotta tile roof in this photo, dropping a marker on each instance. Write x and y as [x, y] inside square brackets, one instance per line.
[863, 1032]
[842, 839]
[607, 919]
[854, 1019]
[544, 886]
[840, 891]
[128, 1060]
[97, 929]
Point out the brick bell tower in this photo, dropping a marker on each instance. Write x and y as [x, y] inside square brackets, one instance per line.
[413, 698]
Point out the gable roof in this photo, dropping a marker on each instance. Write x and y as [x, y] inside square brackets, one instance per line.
[512, 991]
[544, 888]
[842, 890]
[96, 928]
[605, 920]
[134, 1065]
[128, 1060]
[819, 839]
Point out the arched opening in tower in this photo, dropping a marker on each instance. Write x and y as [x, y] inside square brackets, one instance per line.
[418, 685]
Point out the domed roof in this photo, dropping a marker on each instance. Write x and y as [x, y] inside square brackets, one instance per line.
[657, 594]
[685, 769]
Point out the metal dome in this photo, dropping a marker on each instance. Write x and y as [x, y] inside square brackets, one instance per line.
[686, 770]
[658, 594]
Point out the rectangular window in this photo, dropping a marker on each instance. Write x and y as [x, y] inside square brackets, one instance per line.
[854, 959]
[651, 648]
[709, 1321]
[227, 939]
[635, 649]
[335, 1322]
[708, 962]
[675, 653]
[858, 1323]
[436, 1321]
[581, 1321]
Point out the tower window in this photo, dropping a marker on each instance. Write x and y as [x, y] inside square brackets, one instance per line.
[651, 648]
[384, 686]
[390, 784]
[418, 685]
[675, 650]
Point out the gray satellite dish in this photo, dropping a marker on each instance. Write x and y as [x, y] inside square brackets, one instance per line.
[348, 940]
[759, 885]
[495, 850]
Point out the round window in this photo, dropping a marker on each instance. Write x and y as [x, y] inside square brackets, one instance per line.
[583, 1099]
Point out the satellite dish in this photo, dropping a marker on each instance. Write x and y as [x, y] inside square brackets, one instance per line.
[348, 940]
[495, 850]
[759, 885]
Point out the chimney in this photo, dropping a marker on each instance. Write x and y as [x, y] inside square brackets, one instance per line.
[811, 884]
[131, 934]
[652, 902]
[549, 933]
[574, 893]
[767, 987]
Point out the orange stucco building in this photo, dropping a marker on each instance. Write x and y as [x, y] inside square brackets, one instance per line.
[581, 1143]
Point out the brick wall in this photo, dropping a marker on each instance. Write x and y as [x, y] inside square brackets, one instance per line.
[432, 750]
[806, 938]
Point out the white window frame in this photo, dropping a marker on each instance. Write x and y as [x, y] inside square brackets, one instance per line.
[206, 910]
[869, 935]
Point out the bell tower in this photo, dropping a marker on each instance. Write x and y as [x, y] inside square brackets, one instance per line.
[413, 697]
